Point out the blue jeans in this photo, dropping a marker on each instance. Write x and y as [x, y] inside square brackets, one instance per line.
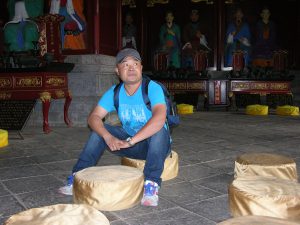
[154, 150]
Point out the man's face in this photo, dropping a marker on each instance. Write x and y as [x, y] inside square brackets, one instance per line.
[265, 14]
[130, 70]
[239, 15]
[194, 17]
[169, 17]
[129, 19]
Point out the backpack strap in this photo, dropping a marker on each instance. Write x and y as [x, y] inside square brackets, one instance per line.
[116, 95]
[145, 83]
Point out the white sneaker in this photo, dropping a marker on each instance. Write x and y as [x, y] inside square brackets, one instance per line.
[68, 189]
[150, 197]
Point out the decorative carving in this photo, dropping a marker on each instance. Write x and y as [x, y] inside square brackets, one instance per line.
[178, 86]
[196, 86]
[279, 86]
[5, 83]
[55, 81]
[29, 82]
[5, 95]
[131, 3]
[43, 39]
[150, 3]
[60, 94]
[45, 96]
[260, 86]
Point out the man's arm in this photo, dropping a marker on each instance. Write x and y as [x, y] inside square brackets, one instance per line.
[96, 124]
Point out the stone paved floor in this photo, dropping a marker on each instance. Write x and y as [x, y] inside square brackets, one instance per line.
[32, 169]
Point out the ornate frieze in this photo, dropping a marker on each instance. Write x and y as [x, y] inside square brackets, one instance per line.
[55, 81]
[198, 85]
[5, 82]
[29, 81]
[5, 95]
[260, 86]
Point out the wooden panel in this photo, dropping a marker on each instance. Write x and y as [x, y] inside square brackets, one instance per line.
[110, 27]
[259, 87]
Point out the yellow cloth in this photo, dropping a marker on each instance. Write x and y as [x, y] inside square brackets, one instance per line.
[185, 109]
[170, 166]
[257, 220]
[265, 164]
[108, 188]
[287, 110]
[257, 110]
[61, 214]
[3, 138]
[264, 196]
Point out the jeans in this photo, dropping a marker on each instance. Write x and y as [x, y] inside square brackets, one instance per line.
[154, 150]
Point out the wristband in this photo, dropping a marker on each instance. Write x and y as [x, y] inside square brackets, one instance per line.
[128, 140]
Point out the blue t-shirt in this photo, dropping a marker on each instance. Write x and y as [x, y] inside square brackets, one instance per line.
[133, 113]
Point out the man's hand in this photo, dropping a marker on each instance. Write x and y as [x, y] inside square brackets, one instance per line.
[114, 143]
[125, 144]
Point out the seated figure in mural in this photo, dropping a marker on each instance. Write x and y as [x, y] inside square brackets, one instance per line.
[129, 33]
[194, 40]
[169, 37]
[21, 33]
[73, 27]
[237, 39]
[265, 43]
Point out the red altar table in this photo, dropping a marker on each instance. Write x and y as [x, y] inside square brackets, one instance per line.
[198, 86]
[43, 85]
[261, 87]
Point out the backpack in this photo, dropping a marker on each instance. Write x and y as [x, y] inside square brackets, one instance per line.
[172, 119]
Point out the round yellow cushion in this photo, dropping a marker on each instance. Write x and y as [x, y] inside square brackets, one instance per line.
[264, 196]
[257, 110]
[60, 214]
[256, 220]
[170, 166]
[108, 188]
[185, 109]
[287, 110]
[3, 138]
[265, 164]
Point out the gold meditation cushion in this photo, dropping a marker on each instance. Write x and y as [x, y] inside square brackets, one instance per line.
[257, 110]
[3, 138]
[185, 109]
[265, 196]
[287, 110]
[257, 220]
[108, 188]
[170, 166]
[60, 214]
[265, 164]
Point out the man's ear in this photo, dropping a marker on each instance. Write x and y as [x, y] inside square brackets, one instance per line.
[117, 71]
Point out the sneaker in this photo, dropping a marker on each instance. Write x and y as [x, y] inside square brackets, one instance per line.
[150, 197]
[68, 189]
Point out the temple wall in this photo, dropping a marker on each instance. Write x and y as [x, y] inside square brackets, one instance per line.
[91, 76]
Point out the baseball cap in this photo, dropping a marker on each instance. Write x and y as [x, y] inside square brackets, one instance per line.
[127, 52]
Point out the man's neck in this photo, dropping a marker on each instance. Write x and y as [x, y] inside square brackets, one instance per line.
[132, 88]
